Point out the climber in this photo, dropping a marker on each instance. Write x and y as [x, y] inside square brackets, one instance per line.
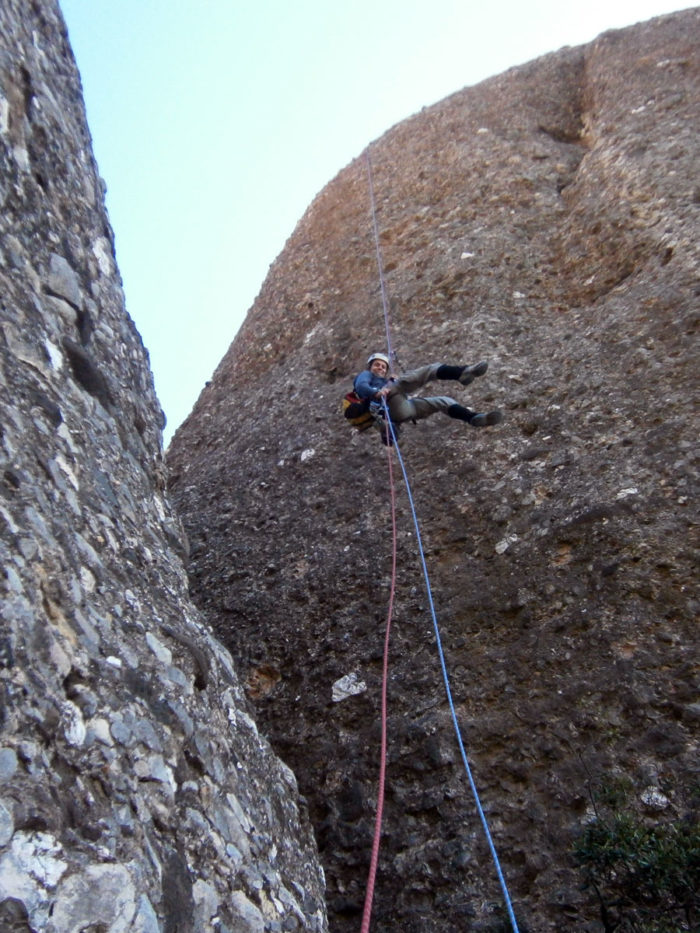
[374, 384]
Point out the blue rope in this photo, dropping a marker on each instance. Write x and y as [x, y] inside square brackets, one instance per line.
[446, 679]
[380, 264]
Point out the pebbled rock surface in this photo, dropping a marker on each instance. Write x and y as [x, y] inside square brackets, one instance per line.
[545, 220]
[136, 794]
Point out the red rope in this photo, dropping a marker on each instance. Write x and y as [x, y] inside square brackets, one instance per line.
[385, 677]
[369, 895]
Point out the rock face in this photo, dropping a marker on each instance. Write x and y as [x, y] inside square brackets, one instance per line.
[136, 793]
[547, 221]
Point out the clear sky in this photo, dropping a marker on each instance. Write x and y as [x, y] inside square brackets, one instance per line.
[216, 122]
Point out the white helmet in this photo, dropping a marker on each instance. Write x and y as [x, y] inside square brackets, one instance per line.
[378, 356]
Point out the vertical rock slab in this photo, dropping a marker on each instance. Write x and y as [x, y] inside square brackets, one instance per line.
[545, 220]
[136, 793]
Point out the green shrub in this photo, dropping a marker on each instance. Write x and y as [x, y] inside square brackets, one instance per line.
[646, 874]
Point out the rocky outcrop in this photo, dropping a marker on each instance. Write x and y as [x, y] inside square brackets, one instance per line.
[136, 793]
[547, 221]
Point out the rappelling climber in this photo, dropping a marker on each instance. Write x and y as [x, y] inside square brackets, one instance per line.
[374, 385]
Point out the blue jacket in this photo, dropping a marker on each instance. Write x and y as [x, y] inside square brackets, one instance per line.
[367, 384]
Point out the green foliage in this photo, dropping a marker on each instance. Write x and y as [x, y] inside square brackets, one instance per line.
[646, 874]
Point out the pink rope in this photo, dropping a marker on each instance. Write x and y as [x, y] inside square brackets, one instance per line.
[369, 895]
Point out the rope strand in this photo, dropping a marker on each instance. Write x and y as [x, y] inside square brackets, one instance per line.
[382, 768]
[446, 680]
[369, 895]
[380, 264]
[371, 878]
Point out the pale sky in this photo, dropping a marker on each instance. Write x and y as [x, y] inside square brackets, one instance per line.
[216, 122]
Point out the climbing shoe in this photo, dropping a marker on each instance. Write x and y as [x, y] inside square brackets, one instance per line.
[469, 373]
[460, 412]
[486, 418]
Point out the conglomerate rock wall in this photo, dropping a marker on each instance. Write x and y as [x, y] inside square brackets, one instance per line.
[136, 793]
[545, 220]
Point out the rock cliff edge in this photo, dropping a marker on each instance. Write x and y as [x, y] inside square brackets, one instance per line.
[136, 793]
